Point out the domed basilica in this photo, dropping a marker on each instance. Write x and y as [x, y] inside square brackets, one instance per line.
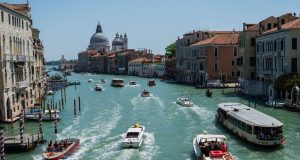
[99, 41]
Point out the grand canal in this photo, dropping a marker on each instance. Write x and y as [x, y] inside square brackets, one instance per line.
[105, 117]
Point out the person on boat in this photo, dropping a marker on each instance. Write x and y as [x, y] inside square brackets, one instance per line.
[212, 145]
[223, 147]
[55, 145]
[65, 144]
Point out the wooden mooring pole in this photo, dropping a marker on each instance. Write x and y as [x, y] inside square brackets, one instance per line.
[21, 122]
[41, 126]
[74, 106]
[79, 105]
[55, 122]
[2, 157]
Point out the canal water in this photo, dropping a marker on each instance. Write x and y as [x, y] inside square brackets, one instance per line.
[105, 117]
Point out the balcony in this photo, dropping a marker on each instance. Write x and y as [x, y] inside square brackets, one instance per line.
[21, 84]
[21, 58]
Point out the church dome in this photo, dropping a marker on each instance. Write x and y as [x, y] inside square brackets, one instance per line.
[117, 42]
[99, 38]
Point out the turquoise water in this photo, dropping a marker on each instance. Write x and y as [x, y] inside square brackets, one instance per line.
[105, 117]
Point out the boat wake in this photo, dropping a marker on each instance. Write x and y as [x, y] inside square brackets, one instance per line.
[89, 138]
[202, 112]
[153, 100]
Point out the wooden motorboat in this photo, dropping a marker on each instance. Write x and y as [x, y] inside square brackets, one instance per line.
[151, 83]
[62, 149]
[98, 87]
[145, 93]
[132, 83]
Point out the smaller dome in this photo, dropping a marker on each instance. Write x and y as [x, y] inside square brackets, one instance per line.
[117, 42]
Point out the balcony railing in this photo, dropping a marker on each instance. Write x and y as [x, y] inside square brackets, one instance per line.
[22, 84]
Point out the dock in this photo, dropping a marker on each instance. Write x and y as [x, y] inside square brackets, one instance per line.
[13, 143]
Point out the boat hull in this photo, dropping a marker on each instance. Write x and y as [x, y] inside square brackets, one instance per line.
[64, 154]
[134, 142]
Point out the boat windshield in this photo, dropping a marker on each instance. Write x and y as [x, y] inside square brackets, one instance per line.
[118, 81]
[268, 133]
[132, 134]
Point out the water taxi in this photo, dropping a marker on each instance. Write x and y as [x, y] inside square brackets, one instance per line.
[134, 136]
[250, 124]
[90, 80]
[98, 87]
[184, 101]
[145, 93]
[151, 83]
[211, 147]
[116, 82]
[61, 149]
[132, 83]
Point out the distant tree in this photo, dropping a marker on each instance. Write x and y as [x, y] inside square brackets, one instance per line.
[171, 50]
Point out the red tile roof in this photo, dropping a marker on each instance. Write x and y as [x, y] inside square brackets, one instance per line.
[290, 25]
[138, 60]
[220, 39]
[21, 8]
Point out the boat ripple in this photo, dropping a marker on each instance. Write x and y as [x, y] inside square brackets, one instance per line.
[138, 100]
[90, 137]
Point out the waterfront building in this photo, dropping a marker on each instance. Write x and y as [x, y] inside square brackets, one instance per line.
[188, 59]
[214, 59]
[135, 66]
[65, 65]
[247, 50]
[277, 53]
[170, 67]
[22, 61]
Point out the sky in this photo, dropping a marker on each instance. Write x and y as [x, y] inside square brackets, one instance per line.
[67, 25]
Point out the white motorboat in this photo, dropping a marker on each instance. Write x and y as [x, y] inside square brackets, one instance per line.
[50, 92]
[45, 117]
[134, 136]
[275, 103]
[145, 93]
[132, 83]
[184, 101]
[90, 80]
[98, 87]
[211, 147]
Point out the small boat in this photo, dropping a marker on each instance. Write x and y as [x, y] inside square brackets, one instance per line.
[151, 83]
[275, 103]
[184, 101]
[116, 82]
[103, 80]
[145, 93]
[132, 83]
[45, 117]
[134, 136]
[208, 93]
[62, 149]
[90, 80]
[65, 74]
[98, 87]
[73, 83]
[211, 147]
[37, 111]
[50, 92]
[198, 86]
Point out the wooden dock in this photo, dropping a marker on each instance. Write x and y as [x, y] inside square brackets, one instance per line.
[30, 141]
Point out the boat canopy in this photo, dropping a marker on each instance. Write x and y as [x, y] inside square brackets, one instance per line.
[249, 115]
[210, 137]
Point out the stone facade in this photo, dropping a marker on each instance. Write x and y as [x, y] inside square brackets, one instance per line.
[22, 61]
[277, 53]
[247, 50]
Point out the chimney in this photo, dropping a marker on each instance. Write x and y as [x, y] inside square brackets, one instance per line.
[278, 24]
[260, 28]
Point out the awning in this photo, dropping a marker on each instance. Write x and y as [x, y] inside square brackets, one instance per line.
[21, 65]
